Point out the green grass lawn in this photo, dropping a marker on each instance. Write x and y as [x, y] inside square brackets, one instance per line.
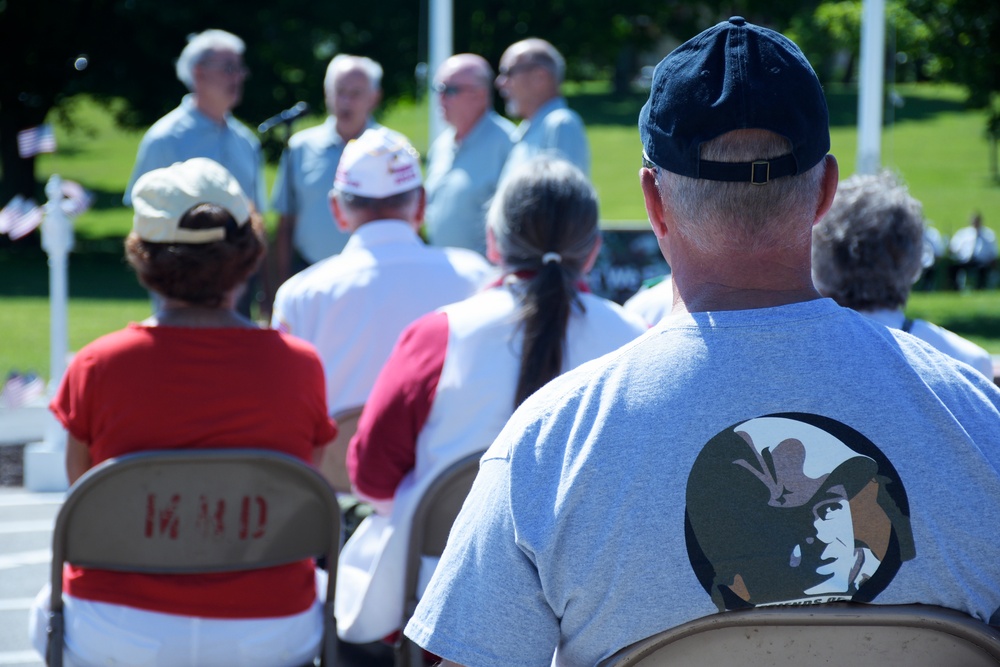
[932, 141]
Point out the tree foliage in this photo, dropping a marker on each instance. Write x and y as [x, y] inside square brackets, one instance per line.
[831, 37]
[966, 39]
[130, 46]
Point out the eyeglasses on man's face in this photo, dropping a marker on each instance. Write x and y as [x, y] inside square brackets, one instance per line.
[513, 70]
[449, 90]
[227, 67]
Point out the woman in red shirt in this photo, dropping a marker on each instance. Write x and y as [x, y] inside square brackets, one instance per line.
[196, 374]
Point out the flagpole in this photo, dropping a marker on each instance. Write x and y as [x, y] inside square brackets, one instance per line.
[440, 45]
[871, 87]
[44, 462]
[57, 241]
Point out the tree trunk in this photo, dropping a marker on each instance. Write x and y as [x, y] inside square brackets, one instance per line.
[18, 173]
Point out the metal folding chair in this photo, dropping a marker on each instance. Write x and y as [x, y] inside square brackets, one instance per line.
[334, 462]
[838, 633]
[196, 511]
[432, 521]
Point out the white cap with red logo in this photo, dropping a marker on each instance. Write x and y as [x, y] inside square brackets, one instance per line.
[378, 164]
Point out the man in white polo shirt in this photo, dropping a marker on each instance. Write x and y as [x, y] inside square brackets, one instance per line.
[354, 305]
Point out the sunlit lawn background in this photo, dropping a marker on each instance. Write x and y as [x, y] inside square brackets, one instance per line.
[936, 144]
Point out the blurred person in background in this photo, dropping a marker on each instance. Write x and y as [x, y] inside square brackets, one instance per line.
[307, 231]
[867, 253]
[464, 163]
[211, 67]
[973, 251]
[530, 82]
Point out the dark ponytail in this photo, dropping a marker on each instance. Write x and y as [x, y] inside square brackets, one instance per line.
[544, 224]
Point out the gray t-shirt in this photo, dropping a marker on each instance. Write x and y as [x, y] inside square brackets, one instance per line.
[790, 455]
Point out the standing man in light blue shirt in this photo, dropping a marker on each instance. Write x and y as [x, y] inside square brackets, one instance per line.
[464, 163]
[531, 74]
[307, 232]
[211, 66]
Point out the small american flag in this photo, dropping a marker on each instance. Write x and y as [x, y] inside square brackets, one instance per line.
[35, 140]
[20, 390]
[20, 217]
[76, 199]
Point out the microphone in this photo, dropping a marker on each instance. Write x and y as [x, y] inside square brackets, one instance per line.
[286, 116]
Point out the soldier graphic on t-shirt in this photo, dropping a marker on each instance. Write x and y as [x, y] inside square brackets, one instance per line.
[794, 509]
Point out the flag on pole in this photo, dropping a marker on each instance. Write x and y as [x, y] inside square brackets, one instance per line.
[9, 213]
[76, 199]
[20, 217]
[35, 140]
[21, 389]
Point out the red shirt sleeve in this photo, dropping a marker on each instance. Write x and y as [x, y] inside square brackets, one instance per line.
[384, 448]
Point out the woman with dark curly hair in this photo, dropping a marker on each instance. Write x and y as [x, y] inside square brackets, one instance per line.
[194, 375]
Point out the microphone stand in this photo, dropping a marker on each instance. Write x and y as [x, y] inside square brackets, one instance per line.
[286, 175]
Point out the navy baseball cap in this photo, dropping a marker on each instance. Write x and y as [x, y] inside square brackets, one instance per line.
[734, 76]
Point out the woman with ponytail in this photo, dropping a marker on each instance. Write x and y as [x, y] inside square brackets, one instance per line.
[456, 375]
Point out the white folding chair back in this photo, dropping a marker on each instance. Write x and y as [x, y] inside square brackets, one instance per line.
[196, 511]
[833, 634]
[432, 520]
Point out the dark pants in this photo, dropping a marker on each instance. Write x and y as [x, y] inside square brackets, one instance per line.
[970, 274]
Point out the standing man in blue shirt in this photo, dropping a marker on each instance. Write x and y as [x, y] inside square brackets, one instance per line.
[211, 66]
[307, 232]
[531, 75]
[464, 163]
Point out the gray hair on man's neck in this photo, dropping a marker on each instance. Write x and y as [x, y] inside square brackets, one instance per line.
[718, 216]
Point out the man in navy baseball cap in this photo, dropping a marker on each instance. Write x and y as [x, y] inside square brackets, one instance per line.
[734, 76]
[820, 421]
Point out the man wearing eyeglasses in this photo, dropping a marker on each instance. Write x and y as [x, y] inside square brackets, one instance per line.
[211, 66]
[530, 79]
[307, 232]
[464, 163]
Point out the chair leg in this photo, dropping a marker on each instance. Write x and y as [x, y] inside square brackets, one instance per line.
[416, 654]
[328, 649]
[402, 653]
[55, 639]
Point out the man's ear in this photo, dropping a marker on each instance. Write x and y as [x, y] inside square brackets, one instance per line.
[492, 253]
[592, 257]
[655, 210]
[376, 100]
[828, 187]
[418, 216]
[338, 215]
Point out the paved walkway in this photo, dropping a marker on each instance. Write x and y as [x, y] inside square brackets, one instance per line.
[26, 521]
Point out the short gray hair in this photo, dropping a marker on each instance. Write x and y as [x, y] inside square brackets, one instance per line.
[542, 53]
[343, 62]
[715, 215]
[388, 207]
[200, 46]
[866, 251]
